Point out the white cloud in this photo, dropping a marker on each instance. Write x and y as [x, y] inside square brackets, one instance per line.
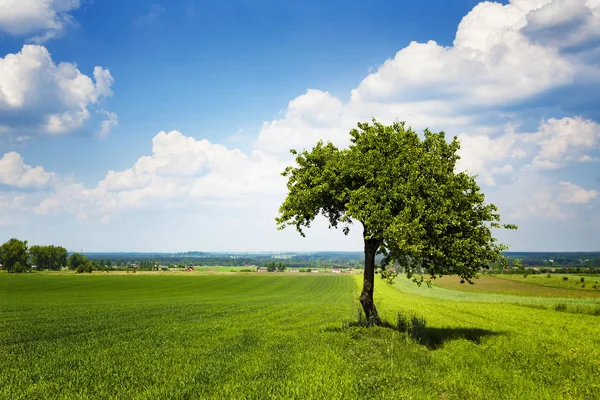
[46, 19]
[181, 171]
[565, 23]
[575, 194]
[565, 140]
[481, 155]
[14, 172]
[309, 117]
[36, 95]
[556, 144]
[492, 62]
[108, 124]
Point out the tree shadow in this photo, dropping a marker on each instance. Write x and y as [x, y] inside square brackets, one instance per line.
[434, 338]
[431, 337]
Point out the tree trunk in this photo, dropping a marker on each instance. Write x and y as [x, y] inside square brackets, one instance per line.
[366, 296]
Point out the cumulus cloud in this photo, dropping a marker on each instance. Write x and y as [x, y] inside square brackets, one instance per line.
[575, 194]
[565, 24]
[181, 171]
[309, 117]
[556, 144]
[44, 19]
[565, 140]
[494, 63]
[14, 172]
[37, 95]
[491, 63]
[533, 197]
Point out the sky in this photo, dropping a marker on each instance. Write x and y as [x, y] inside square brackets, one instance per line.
[165, 125]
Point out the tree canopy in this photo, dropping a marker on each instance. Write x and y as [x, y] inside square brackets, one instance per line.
[49, 257]
[13, 254]
[76, 260]
[413, 206]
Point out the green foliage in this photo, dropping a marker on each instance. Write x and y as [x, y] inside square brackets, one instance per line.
[18, 268]
[389, 276]
[49, 257]
[14, 252]
[76, 260]
[404, 192]
[276, 267]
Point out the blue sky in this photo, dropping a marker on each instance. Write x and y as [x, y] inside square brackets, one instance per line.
[233, 85]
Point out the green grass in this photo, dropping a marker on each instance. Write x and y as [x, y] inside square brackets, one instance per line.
[590, 284]
[519, 286]
[281, 336]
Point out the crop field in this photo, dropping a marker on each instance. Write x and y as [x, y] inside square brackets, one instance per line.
[259, 336]
[532, 286]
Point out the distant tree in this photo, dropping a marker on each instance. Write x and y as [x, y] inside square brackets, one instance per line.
[281, 267]
[271, 267]
[413, 207]
[12, 252]
[76, 260]
[48, 257]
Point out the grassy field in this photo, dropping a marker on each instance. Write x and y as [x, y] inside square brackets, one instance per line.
[585, 283]
[532, 286]
[282, 336]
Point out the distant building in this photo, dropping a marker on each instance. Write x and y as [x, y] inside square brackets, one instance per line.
[294, 270]
[314, 271]
[336, 271]
[261, 269]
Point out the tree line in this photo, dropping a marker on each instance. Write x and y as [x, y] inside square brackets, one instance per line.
[17, 257]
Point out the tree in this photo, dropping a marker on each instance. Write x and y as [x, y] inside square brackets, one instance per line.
[414, 208]
[14, 253]
[271, 267]
[49, 257]
[281, 267]
[77, 259]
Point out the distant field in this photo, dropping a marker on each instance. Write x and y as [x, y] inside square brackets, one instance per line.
[533, 285]
[282, 336]
[590, 284]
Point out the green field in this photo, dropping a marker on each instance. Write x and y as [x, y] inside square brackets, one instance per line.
[284, 336]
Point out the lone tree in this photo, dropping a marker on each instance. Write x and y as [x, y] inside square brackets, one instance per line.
[414, 208]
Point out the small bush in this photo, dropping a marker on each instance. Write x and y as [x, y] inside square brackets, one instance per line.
[560, 307]
[548, 276]
[565, 278]
[582, 279]
[18, 268]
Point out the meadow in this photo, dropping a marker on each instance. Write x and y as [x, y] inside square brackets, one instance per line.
[257, 336]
